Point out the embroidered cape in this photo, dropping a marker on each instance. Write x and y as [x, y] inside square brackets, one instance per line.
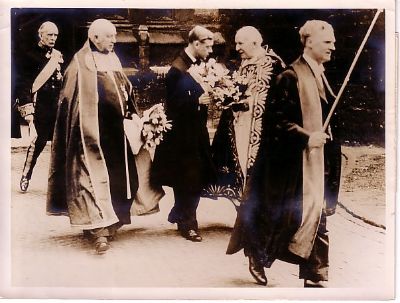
[235, 148]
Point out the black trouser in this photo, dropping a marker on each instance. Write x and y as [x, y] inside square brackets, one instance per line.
[122, 208]
[315, 268]
[44, 124]
[184, 211]
[34, 150]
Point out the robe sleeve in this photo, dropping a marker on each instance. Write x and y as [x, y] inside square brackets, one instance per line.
[132, 106]
[285, 111]
[56, 195]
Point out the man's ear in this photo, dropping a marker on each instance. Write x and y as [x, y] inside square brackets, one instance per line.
[309, 42]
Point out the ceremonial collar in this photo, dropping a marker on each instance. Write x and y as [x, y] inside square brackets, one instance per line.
[254, 60]
[45, 48]
[106, 62]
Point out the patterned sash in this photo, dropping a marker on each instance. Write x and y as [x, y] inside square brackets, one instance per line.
[47, 71]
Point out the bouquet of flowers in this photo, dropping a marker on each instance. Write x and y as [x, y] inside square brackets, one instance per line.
[230, 91]
[155, 123]
[226, 88]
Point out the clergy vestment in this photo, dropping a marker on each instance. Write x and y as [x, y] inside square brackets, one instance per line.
[284, 214]
[93, 177]
[236, 143]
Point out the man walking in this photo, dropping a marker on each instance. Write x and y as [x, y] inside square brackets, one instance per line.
[183, 161]
[288, 202]
[93, 177]
[37, 89]
[237, 139]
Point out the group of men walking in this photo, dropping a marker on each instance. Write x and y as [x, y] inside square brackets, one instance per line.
[270, 155]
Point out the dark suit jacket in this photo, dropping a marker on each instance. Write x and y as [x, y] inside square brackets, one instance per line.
[183, 159]
[47, 96]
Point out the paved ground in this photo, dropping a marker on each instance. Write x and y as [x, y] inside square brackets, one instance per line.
[363, 183]
[46, 252]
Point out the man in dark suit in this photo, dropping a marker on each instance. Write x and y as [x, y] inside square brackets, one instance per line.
[37, 90]
[183, 161]
[297, 180]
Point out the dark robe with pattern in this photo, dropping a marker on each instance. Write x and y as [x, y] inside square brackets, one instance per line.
[261, 73]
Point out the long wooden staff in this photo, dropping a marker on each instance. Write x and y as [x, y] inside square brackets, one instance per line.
[328, 118]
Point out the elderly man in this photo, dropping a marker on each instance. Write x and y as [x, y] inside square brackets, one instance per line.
[237, 140]
[183, 160]
[93, 176]
[291, 198]
[37, 90]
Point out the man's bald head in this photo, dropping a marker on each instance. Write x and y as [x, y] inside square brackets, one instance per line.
[103, 34]
[47, 26]
[100, 26]
[251, 34]
[248, 42]
[48, 34]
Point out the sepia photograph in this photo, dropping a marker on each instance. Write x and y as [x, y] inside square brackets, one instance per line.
[198, 150]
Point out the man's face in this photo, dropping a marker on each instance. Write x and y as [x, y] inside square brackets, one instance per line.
[106, 39]
[48, 36]
[321, 44]
[244, 46]
[204, 48]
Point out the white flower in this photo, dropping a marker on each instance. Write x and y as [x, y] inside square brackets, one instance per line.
[155, 123]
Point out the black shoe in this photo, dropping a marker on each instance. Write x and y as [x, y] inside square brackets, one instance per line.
[257, 271]
[24, 184]
[191, 235]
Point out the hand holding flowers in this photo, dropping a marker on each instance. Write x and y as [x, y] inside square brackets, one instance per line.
[225, 88]
[155, 123]
[146, 132]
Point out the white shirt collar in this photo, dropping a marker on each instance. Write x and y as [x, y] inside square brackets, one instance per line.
[190, 56]
[317, 69]
[106, 62]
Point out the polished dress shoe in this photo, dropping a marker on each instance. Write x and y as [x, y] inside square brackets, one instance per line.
[257, 271]
[24, 183]
[191, 234]
[317, 284]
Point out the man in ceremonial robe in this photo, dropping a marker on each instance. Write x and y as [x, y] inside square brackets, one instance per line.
[38, 85]
[183, 159]
[93, 177]
[297, 177]
[237, 140]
